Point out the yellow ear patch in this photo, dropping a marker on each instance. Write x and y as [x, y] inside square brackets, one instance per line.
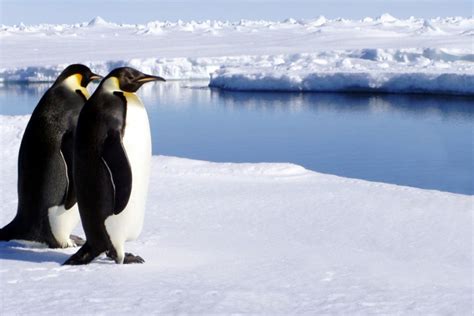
[73, 82]
[111, 84]
[79, 78]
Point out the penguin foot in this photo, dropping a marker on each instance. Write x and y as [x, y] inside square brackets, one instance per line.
[83, 256]
[77, 241]
[129, 258]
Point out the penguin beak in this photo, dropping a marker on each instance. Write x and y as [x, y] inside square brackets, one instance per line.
[95, 77]
[148, 78]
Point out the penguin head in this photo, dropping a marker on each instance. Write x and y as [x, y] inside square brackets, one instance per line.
[129, 79]
[77, 74]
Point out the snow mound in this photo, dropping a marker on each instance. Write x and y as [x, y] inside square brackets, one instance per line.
[370, 70]
[429, 28]
[97, 21]
[152, 28]
[224, 238]
[387, 18]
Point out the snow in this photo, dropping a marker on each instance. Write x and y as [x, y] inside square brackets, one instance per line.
[374, 70]
[382, 54]
[265, 238]
[97, 22]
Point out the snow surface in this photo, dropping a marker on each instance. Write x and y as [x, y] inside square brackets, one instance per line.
[372, 70]
[255, 238]
[373, 54]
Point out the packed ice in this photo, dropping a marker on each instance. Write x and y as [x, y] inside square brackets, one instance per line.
[382, 54]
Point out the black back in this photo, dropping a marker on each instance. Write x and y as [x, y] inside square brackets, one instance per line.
[45, 161]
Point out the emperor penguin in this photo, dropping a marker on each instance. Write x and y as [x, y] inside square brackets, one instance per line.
[46, 199]
[112, 159]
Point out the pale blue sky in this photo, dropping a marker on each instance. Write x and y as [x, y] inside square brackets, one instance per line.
[67, 11]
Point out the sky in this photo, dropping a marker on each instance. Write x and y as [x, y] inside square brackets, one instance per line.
[142, 11]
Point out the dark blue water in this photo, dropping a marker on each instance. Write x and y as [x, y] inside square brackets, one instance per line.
[420, 141]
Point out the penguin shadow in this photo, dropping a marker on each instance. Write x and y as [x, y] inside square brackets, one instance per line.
[16, 251]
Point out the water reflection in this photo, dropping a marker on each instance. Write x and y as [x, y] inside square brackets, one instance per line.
[422, 141]
[22, 89]
[350, 102]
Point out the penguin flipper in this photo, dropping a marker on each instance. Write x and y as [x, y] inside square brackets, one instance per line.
[116, 161]
[67, 152]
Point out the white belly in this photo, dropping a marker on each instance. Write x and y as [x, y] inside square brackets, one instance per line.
[137, 142]
[62, 223]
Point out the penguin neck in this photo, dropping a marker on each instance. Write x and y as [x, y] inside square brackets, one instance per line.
[111, 85]
[73, 83]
